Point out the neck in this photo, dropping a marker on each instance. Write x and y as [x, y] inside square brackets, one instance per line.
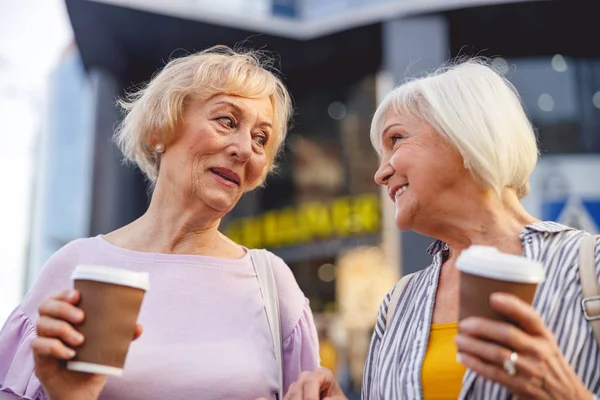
[175, 223]
[485, 220]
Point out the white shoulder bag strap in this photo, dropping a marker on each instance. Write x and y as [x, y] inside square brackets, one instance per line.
[397, 291]
[589, 284]
[268, 290]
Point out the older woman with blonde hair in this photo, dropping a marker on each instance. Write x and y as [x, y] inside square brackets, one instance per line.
[205, 130]
[457, 150]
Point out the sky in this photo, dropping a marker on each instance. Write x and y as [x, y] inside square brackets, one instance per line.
[33, 34]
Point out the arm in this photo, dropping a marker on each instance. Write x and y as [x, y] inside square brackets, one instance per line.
[300, 348]
[17, 375]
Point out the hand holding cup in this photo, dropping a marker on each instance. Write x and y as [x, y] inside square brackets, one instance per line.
[57, 342]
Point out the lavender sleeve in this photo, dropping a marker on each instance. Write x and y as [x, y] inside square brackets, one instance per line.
[300, 349]
[300, 340]
[17, 375]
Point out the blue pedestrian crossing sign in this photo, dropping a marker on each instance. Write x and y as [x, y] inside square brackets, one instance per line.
[574, 211]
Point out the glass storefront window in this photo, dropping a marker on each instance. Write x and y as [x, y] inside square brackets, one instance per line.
[322, 200]
[562, 97]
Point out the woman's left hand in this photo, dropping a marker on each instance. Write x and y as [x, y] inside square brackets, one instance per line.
[540, 370]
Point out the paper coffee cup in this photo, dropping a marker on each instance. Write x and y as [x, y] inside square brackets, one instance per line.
[485, 270]
[111, 299]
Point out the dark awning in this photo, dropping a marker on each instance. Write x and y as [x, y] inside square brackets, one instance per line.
[132, 44]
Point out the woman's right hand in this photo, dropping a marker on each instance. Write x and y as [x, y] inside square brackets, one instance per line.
[53, 347]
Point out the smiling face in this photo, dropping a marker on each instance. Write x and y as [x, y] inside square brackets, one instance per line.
[220, 150]
[423, 173]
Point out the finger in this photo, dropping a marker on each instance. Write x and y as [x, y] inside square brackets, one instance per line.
[518, 385]
[311, 388]
[504, 334]
[61, 309]
[70, 295]
[328, 384]
[51, 348]
[56, 328]
[138, 332]
[520, 312]
[294, 391]
[492, 353]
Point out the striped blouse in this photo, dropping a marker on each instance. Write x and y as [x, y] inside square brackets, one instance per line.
[393, 368]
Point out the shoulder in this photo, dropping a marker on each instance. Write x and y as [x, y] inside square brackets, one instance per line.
[67, 257]
[55, 274]
[292, 300]
[284, 276]
[561, 249]
[406, 292]
[410, 286]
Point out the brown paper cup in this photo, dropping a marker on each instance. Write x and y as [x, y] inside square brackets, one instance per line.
[485, 270]
[475, 294]
[111, 299]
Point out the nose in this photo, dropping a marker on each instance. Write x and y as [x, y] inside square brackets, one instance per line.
[383, 174]
[241, 148]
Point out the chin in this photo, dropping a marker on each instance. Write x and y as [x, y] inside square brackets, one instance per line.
[222, 204]
[404, 221]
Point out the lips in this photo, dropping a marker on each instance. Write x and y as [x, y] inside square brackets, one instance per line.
[397, 190]
[226, 174]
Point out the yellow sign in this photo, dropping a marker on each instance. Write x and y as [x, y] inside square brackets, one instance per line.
[308, 222]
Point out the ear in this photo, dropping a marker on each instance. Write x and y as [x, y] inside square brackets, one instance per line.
[155, 138]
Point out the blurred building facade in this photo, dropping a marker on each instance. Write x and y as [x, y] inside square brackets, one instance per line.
[63, 172]
[322, 212]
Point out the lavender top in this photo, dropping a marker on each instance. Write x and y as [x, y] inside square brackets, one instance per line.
[205, 331]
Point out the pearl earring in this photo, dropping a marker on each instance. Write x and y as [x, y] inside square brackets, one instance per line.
[160, 148]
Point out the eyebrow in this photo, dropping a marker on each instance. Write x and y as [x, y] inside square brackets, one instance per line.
[239, 110]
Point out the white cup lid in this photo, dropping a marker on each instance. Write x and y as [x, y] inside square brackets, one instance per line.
[117, 276]
[489, 262]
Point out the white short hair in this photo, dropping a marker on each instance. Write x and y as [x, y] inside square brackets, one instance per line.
[479, 112]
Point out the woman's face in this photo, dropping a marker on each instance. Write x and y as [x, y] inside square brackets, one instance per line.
[220, 149]
[421, 170]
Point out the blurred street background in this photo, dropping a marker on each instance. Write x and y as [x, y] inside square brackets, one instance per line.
[64, 63]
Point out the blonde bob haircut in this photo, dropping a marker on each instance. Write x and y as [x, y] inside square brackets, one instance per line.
[153, 113]
[476, 110]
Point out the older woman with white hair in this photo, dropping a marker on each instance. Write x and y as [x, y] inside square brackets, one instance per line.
[456, 153]
[204, 131]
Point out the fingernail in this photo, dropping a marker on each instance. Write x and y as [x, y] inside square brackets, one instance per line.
[77, 314]
[71, 295]
[465, 324]
[459, 358]
[498, 297]
[76, 337]
[70, 353]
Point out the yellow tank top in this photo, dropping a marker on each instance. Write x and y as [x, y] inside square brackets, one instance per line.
[441, 376]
